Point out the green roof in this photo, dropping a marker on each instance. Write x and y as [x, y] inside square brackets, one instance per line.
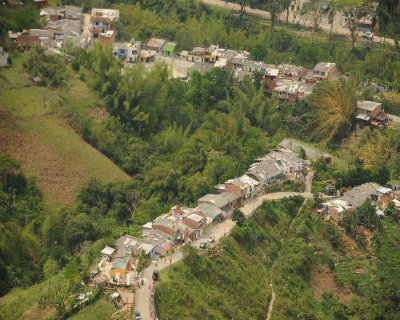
[169, 47]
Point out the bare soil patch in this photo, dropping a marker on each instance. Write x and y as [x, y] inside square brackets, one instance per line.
[36, 312]
[323, 280]
[99, 114]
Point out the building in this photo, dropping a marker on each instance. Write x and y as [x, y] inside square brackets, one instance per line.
[155, 44]
[325, 71]
[210, 211]
[271, 78]
[102, 20]
[352, 200]
[3, 58]
[168, 49]
[128, 51]
[371, 113]
[194, 220]
[26, 41]
[277, 165]
[107, 36]
[107, 253]
[244, 187]
[197, 54]
[224, 200]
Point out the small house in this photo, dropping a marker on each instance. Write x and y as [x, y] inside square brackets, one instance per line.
[107, 253]
[156, 44]
[211, 211]
[325, 71]
[169, 49]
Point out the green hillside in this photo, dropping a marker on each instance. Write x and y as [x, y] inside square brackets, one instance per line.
[45, 144]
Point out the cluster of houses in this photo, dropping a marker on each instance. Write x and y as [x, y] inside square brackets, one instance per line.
[291, 83]
[351, 200]
[183, 224]
[64, 25]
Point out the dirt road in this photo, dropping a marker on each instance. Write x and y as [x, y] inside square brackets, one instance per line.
[144, 296]
[339, 25]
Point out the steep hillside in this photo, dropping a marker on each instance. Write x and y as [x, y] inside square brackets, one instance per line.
[316, 271]
[44, 143]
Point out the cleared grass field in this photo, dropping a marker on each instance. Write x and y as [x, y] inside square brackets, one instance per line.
[43, 142]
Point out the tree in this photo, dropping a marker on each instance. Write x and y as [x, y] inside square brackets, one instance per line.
[274, 7]
[354, 11]
[316, 8]
[238, 217]
[335, 104]
[8, 166]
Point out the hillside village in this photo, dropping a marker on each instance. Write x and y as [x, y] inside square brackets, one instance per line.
[122, 243]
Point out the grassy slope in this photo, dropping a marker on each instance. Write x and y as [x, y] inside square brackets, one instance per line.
[46, 146]
[102, 309]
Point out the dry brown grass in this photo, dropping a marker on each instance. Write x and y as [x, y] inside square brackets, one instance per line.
[323, 280]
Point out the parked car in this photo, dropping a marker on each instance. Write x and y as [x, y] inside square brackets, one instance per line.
[368, 35]
[203, 245]
[138, 316]
[156, 275]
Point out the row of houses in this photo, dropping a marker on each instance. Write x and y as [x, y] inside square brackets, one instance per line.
[66, 24]
[183, 224]
[291, 83]
[351, 200]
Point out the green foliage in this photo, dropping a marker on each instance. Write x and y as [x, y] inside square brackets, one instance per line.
[51, 69]
[238, 217]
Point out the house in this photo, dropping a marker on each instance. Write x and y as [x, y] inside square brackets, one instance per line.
[107, 253]
[244, 187]
[3, 58]
[155, 44]
[253, 66]
[371, 113]
[128, 51]
[277, 165]
[194, 220]
[224, 200]
[168, 49]
[147, 56]
[271, 78]
[197, 54]
[26, 41]
[292, 90]
[107, 36]
[210, 211]
[102, 20]
[351, 200]
[214, 53]
[325, 71]
[132, 245]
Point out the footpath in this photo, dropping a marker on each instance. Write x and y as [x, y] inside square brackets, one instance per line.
[144, 296]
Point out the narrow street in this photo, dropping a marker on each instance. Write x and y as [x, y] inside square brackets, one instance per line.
[144, 296]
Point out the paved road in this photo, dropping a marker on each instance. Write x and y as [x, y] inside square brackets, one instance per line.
[144, 295]
[338, 25]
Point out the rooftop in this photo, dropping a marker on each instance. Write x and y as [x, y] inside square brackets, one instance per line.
[324, 66]
[368, 105]
[111, 14]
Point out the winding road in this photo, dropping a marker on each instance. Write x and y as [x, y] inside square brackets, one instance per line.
[144, 296]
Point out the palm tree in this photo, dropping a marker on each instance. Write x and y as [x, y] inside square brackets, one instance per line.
[334, 103]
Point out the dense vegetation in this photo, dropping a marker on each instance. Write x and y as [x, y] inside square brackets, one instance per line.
[300, 252]
[180, 139]
[217, 282]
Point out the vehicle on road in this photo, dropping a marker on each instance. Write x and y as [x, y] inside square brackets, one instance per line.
[368, 35]
[156, 275]
[138, 316]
